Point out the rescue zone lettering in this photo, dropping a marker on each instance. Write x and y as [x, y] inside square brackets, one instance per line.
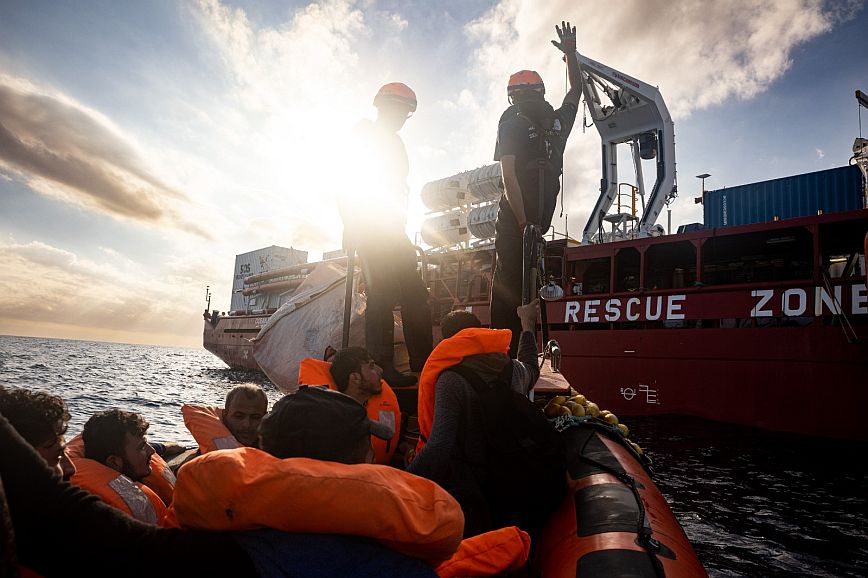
[794, 302]
[632, 309]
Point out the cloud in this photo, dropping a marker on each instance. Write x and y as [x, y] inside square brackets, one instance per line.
[820, 153]
[700, 54]
[46, 285]
[65, 150]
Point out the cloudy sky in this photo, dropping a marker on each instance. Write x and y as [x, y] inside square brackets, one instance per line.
[144, 144]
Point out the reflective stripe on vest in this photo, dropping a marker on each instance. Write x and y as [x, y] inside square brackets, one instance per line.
[135, 499]
[119, 491]
[382, 407]
[161, 479]
[448, 353]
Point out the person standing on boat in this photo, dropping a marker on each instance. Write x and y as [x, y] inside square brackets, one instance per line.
[373, 209]
[530, 131]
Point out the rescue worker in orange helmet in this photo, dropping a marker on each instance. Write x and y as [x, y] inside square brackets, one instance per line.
[373, 208]
[530, 132]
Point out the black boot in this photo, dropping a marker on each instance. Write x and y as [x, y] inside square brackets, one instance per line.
[395, 379]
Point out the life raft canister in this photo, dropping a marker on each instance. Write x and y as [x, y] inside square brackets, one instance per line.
[488, 554]
[382, 407]
[206, 426]
[614, 520]
[161, 479]
[450, 352]
[247, 488]
[115, 489]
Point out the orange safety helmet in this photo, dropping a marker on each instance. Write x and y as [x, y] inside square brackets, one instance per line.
[525, 80]
[396, 92]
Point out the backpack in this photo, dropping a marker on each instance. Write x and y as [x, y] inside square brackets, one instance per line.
[524, 474]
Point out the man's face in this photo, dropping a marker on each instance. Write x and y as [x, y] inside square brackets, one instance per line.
[393, 115]
[242, 418]
[371, 374]
[53, 452]
[136, 457]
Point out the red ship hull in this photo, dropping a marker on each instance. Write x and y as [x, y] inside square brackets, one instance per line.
[806, 380]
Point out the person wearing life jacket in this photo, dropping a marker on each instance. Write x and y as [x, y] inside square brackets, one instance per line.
[373, 209]
[234, 425]
[329, 511]
[246, 404]
[452, 442]
[531, 136]
[41, 419]
[352, 371]
[117, 458]
[54, 528]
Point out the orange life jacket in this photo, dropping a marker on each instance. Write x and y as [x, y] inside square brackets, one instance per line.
[488, 554]
[382, 407]
[117, 490]
[207, 428]
[448, 353]
[247, 488]
[161, 479]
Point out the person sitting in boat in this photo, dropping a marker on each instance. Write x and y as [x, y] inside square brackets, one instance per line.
[41, 419]
[54, 528]
[352, 371]
[321, 424]
[113, 460]
[246, 405]
[452, 446]
[330, 509]
[356, 374]
[232, 426]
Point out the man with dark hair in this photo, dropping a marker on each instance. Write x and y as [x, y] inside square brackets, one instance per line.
[356, 374]
[455, 453]
[455, 321]
[41, 419]
[245, 406]
[320, 424]
[531, 138]
[116, 438]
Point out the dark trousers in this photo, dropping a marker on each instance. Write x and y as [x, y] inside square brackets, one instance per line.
[506, 286]
[391, 278]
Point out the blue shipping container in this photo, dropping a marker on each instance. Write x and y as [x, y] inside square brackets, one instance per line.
[830, 191]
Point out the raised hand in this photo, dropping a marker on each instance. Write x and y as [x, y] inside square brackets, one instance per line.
[567, 36]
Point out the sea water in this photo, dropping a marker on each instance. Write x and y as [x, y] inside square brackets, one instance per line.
[753, 503]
